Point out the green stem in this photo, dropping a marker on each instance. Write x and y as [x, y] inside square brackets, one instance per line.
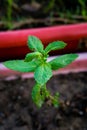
[46, 92]
[53, 99]
[9, 13]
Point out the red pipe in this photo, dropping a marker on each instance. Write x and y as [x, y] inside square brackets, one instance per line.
[13, 44]
[48, 34]
[14, 52]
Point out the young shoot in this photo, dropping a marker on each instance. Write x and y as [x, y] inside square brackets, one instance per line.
[37, 63]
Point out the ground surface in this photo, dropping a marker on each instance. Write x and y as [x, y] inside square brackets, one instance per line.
[16, 14]
[17, 112]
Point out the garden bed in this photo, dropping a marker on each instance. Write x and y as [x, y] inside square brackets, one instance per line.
[16, 14]
[17, 111]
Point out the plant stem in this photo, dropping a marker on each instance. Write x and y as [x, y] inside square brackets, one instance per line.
[9, 13]
[47, 93]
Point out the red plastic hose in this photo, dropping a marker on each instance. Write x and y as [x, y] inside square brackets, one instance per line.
[14, 40]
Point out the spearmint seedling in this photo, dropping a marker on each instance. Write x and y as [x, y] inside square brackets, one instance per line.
[37, 62]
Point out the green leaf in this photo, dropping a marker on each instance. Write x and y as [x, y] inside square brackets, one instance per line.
[62, 61]
[55, 46]
[35, 44]
[43, 73]
[31, 56]
[20, 65]
[37, 98]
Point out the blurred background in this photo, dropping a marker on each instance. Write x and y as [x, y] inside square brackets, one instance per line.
[19, 14]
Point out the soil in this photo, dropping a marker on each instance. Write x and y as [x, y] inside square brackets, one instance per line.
[16, 14]
[17, 111]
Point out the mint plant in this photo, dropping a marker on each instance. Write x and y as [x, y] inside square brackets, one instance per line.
[37, 62]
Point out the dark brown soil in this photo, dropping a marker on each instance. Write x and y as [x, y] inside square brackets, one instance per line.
[40, 13]
[17, 111]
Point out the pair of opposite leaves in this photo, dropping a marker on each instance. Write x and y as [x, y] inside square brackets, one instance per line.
[37, 60]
